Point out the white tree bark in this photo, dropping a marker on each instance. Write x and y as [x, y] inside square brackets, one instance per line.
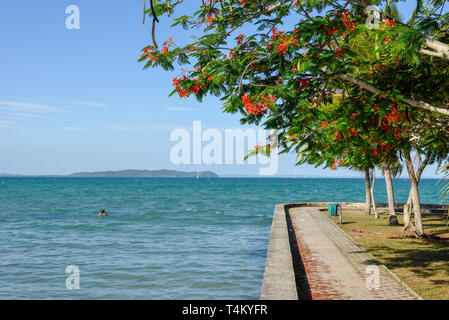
[393, 219]
[413, 199]
[408, 225]
[376, 214]
[367, 193]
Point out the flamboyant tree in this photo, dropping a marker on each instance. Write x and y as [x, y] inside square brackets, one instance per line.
[337, 82]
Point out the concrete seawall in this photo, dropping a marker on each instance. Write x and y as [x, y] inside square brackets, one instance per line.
[309, 257]
[279, 278]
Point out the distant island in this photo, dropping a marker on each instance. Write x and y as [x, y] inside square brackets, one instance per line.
[129, 174]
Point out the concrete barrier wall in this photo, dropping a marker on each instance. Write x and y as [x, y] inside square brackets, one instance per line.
[279, 278]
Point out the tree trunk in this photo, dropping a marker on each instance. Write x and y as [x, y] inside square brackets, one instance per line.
[376, 214]
[414, 192]
[408, 225]
[367, 193]
[393, 219]
[416, 208]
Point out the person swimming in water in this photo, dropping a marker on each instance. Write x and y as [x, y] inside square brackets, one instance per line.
[102, 213]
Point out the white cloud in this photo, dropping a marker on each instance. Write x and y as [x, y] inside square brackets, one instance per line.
[139, 127]
[181, 109]
[87, 103]
[20, 115]
[29, 107]
[76, 129]
[7, 124]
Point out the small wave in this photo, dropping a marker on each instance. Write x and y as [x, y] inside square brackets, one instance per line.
[219, 212]
[258, 215]
[192, 210]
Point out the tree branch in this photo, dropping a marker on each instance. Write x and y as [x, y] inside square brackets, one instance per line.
[414, 103]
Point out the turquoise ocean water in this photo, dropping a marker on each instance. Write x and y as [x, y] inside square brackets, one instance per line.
[163, 238]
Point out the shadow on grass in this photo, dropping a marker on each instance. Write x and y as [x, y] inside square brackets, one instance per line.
[425, 258]
[430, 258]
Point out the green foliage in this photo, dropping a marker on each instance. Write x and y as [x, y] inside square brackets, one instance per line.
[294, 80]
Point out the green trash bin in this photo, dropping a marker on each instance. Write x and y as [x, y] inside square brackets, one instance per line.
[332, 209]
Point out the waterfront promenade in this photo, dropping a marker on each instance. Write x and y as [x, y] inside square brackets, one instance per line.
[310, 257]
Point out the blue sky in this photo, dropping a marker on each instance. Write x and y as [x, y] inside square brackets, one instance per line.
[78, 100]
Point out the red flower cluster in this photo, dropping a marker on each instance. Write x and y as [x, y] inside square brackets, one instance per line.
[389, 22]
[195, 89]
[336, 164]
[148, 53]
[302, 83]
[183, 93]
[276, 34]
[210, 18]
[384, 125]
[240, 39]
[353, 132]
[339, 52]
[394, 115]
[257, 108]
[384, 148]
[354, 115]
[291, 135]
[177, 81]
[337, 136]
[166, 44]
[349, 25]
[286, 41]
[324, 124]
[330, 32]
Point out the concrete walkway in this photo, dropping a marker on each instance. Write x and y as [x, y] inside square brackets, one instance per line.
[336, 267]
